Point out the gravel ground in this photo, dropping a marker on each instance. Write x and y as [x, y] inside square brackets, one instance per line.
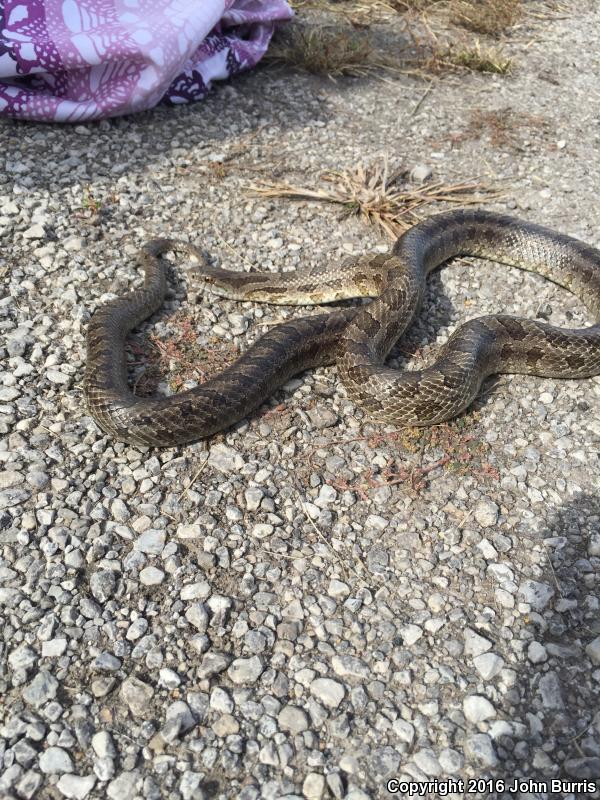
[304, 606]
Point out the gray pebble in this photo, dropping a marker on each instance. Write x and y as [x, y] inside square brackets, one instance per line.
[197, 615]
[195, 591]
[123, 787]
[313, 787]
[486, 513]
[451, 761]
[76, 787]
[477, 709]
[151, 542]
[426, 760]
[327, 691]
[137, 695]
[420, 173]
[323, 417]
[350, 667]
[245, 671]
[480, 748]
[41, 689]
[488, 665]
[55, 760]
[137, 629]
[103, 584]
[593, 650]
[404, 731]
[151, 576]
[253, 497]
[103, 745]
[225, 459]
[35, 232]
[475, 644]
[550, 691]
[538, 595]
[536, 653]
[293, 719]
[107, 662]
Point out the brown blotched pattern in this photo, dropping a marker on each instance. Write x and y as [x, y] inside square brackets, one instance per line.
[357, 339]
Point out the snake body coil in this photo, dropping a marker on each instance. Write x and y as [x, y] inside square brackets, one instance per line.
[357, 339]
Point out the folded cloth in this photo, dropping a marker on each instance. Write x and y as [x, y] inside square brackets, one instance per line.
[74, 60]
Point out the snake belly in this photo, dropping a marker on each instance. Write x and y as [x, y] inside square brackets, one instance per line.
[357, 339]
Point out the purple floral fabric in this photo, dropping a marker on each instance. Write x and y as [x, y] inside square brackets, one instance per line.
[74, 60]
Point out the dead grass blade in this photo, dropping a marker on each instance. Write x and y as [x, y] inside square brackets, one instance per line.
[437, 55]
[489, 17]
[549, 10]
[382, 196]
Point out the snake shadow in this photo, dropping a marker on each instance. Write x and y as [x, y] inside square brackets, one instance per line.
[555, 689]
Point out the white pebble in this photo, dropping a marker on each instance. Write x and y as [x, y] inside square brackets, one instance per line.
[151, 576]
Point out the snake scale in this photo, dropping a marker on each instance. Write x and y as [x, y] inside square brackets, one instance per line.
[357, 339]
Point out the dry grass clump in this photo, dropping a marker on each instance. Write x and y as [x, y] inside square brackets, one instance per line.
[382, 196]
[503, 126]
[331, 49]
[477, 58]
[489, 17]
[324, 50]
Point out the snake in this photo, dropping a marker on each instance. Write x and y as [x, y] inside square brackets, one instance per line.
[356, 338]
